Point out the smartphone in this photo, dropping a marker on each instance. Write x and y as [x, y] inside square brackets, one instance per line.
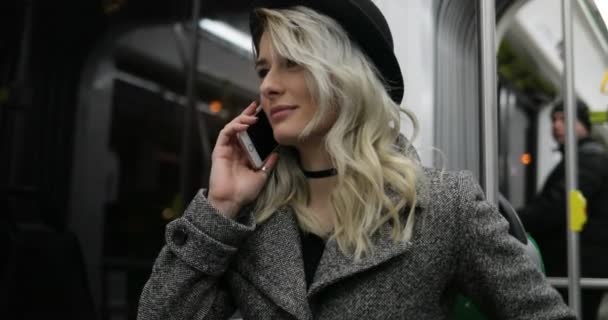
[258, 140]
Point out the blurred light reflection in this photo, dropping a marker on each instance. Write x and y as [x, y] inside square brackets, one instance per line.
[227, 32]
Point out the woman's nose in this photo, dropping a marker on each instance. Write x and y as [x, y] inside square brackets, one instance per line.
[271, 86]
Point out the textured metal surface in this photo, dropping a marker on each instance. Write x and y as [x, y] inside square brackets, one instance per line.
[458, 87]
[457, 84]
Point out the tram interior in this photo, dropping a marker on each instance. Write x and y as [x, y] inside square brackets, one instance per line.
[94, 99]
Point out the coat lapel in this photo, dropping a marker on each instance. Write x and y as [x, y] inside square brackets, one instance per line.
[335, 265]
[272, 261]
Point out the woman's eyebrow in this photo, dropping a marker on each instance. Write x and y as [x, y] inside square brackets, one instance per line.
[261, 62]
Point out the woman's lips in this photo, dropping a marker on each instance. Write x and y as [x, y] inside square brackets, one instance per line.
[280, 113]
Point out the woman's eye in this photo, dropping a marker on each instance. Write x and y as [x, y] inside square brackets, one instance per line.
[290, 63]
[262, 73]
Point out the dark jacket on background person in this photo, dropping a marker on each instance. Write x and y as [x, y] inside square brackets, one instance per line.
[545, 217]
[212, 265]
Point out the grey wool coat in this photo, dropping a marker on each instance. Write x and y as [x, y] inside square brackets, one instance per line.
[211, 266]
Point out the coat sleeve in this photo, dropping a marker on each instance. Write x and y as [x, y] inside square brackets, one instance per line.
[493, 268]
[186, 280]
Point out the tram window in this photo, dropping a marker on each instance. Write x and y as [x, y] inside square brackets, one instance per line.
[146, 137]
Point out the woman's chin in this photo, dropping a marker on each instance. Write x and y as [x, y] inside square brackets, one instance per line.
[286, 139]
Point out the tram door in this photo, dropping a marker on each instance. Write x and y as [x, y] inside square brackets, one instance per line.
[516, 148]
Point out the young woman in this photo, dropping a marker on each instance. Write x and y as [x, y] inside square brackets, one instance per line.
[341, 222]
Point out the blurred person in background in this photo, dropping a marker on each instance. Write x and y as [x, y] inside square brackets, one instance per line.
[545, 217]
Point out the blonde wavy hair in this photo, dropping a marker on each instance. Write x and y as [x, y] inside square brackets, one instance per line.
[361, 142]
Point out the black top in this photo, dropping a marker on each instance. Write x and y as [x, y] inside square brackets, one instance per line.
[312, 249]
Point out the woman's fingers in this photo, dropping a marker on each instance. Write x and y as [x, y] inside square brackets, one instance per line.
[246, 119]
[250, 110]
[270, 163]
[238, 124]
[229, 131]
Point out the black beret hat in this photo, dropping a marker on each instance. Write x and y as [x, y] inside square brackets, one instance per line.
[582, 112]
[365, 25]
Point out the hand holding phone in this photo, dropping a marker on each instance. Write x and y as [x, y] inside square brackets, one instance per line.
[258, 140]
[233, 181]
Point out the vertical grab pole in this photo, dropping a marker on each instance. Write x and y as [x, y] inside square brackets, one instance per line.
[574, 287]
[489, 118]
[188, 182]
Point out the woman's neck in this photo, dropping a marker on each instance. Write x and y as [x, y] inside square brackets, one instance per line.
[314, 157]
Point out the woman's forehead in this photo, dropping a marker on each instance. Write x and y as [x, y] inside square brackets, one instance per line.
[267, 51]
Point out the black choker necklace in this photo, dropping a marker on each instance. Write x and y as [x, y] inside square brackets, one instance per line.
[321, 173]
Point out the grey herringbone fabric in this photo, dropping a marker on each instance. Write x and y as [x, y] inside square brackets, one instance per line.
[211, 265]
